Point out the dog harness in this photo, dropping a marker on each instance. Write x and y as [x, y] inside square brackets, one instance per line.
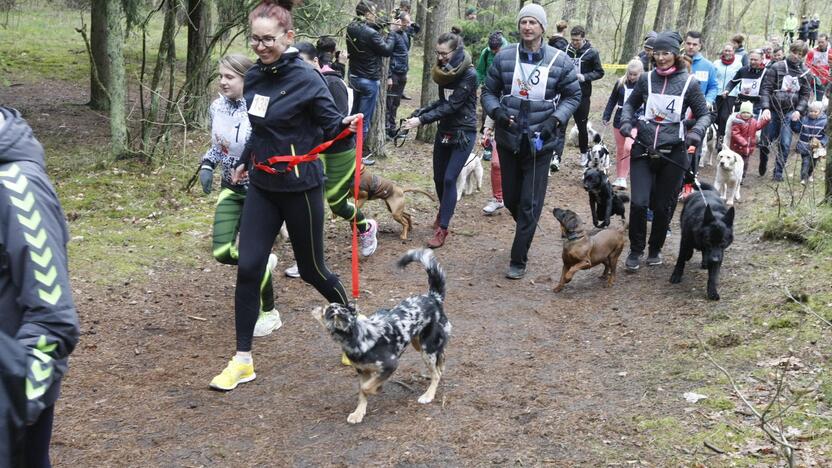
[526, 82]
[293, 160]
[665, 109]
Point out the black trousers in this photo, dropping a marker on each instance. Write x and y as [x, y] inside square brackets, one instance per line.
[524, 180]
[581, 117]
[36, 440]
[394, 99]
[263, 215]
[657, 181]
[724, 107]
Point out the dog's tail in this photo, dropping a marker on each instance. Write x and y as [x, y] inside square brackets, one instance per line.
[423, 192]
[436, 276]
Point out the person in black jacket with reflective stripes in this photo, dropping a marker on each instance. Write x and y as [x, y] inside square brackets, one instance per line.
[456, 111]
[291, 111]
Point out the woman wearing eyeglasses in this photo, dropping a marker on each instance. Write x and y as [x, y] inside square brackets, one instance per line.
[291, 111]
[456, 111]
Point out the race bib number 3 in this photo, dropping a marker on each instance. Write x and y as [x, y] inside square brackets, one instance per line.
[259, 105]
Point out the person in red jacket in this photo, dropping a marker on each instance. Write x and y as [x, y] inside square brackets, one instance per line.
[744, 132]
[817, 60]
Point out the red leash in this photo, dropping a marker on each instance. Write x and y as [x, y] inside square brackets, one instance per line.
[292, 161]
[359, 147]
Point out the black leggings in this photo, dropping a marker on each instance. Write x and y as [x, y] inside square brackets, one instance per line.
[448, 161]
[36, 440]
[655, 184]
[581, 117]
[724, 107]
[263, 215]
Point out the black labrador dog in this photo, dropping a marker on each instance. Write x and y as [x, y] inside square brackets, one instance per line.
[707, 226]
[603, 200]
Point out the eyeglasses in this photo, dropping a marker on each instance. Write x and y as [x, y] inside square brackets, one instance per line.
[266, 41]
[443, 54]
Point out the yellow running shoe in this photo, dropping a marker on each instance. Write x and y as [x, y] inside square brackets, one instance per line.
[234, 374]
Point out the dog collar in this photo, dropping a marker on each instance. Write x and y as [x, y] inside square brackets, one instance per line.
[575, 236]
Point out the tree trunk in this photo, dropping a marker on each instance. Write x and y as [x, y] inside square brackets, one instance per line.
[635, 30]
[591, 12]
[710, 26]
[828, 193]
[687, 10]
[570, 7]
[664, 16]
[162, 59]
[421, 18]
[485, 12]
[118, 86]
[198, 66]
[436, 24]
[374, 141]
[99, 65]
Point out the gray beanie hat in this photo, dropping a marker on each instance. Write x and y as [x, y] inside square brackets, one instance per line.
[535, 11]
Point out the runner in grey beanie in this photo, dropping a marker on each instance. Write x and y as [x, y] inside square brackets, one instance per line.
[535, 11]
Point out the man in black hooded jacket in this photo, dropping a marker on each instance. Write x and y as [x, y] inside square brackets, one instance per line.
[38, 322]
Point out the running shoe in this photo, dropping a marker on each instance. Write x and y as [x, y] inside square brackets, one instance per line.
[292, 271]
[654, 258]
[492, 207]
[267, 322]
[234, 374]
[633, 261]
[367, 241]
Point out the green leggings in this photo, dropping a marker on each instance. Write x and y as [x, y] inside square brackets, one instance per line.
[226, 226]
[340, 170]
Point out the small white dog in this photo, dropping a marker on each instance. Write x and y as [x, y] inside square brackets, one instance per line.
[572, 136]
[470, 178]
[729, 176]
[709, 146]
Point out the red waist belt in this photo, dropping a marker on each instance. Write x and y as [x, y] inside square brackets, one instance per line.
[292, 161]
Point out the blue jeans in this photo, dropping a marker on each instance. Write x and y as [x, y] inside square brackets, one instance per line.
[777, 128]
[365, 93]
[448, 161]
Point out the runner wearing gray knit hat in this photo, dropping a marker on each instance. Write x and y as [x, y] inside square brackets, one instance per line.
[535, 11]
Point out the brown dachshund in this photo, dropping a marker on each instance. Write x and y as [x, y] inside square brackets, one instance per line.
[582, 252]
[375, 187]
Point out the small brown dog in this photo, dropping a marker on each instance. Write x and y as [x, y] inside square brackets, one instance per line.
[375, 187]
[582, 252]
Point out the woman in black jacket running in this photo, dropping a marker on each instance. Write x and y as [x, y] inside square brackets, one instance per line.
[291, 111]
[659, 158]
[456, 111]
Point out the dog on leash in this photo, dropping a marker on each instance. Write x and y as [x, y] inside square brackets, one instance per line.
[470, 178]
[603, 200]
[572, 136]
[374, 344]
[708, 146]
[599, 155]
[708, 226]
[729, 173]
[376, 187]
[582, 252]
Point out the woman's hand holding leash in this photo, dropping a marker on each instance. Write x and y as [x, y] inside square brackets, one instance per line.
[412, 122]
[351, 120]
[238, 174]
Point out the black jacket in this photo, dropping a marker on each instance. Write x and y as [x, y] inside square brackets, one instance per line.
[366, 48]
[456, 108]
[399, 61]
[588, 63]
[38, 321]
[300, 115]
[747, 73]
[338, 89]
[616, 103]
[652, 134]
[645, 61]
[778, 100]
[559, 42]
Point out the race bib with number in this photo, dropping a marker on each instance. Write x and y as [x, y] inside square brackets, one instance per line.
[627, 93]
[664, 108]
[529, 80]
[259, 106]
[447, 93]
[791, 84]
[750, 86]
[820, 58]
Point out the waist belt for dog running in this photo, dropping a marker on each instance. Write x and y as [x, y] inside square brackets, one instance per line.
[294, 160]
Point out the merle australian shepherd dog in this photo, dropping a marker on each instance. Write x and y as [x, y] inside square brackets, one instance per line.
[707, 226]
[374, 344]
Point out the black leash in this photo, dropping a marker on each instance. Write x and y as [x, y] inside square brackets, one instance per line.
[192, 181]
[688, 170]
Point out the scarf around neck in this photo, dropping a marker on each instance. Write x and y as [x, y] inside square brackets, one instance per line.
[447, 74]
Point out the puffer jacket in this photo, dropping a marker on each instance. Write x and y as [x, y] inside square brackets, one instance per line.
[399, 61]
[655, 135]
[562, 97]
[777, 99]
[744, 135]
[808, 128]
[38, 321]
[366, 49]
[587, 61]
[300, 114]
[456, 108]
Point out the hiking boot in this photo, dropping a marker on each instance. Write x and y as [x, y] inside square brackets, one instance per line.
[654, 258]
[292, 271]
[367, 241]
[436, 222]
[515, 272]
[492, 207]
[633, 261]
[438, 239]
[235, 373]
[267, 322]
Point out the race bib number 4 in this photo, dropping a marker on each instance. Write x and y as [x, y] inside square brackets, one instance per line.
[259, 105]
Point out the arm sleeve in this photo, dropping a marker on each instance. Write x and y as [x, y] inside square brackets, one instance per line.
[481, 68]
[463, 90]
[382, 46]
[569, 90]
[597, 70]
[796, 126]
[35, 248]
[698, 105]
[736, 135]
[713, 86]
[807, 91]
[322, 107]
[611, 102]
[628, 112]
[767, 88]
[212, 156]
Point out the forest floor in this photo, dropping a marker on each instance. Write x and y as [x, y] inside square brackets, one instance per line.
[592, 376]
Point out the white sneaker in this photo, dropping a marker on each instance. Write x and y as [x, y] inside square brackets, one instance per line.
[272, 263]
[267, 322]
[811, 179]
[492, 207]
[367, 241]
[584, 159]
[621, 183]
[292, 271]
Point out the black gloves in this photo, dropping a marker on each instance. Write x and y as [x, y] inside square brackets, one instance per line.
[206, 178]
[549, 129]
[501, 117]
[693, 139]
[625, 129]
